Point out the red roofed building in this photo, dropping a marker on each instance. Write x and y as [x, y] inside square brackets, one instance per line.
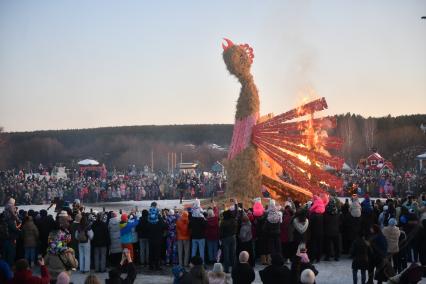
[375, 163]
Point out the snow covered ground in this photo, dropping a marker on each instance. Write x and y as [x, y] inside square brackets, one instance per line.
[330, 272]
[124, 205]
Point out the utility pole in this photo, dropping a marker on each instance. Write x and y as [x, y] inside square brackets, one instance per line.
[168, 162]
[181, 158]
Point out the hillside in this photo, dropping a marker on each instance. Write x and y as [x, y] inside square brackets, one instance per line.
[396, 138]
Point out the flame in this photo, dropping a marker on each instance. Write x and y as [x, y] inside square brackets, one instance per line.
[304, 159]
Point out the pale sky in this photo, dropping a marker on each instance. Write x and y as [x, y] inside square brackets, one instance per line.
[83, 64]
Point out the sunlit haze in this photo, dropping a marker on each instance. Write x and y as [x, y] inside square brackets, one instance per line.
[82, 64]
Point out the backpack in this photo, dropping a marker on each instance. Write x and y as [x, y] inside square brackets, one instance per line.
[82, 236]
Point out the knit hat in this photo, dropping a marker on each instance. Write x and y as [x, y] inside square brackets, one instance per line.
[217, 267]
[171, 212]
[153, 204]
[124, 217]
[196, 209]
[153, 215]
[11, 202]
[258, 209]
[210, 213]
[63, 213]
[307, 277]
[63, 278]
[196, 260]
[392, 222]
[385, 208]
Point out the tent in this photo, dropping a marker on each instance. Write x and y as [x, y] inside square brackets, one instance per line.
[88, 162]
[421, 158]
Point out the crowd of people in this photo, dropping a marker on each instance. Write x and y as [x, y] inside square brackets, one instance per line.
[385, 239]
[385, 184]
[28, 188]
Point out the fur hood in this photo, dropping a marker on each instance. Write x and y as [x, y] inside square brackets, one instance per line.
[355, 208]
[300, 227]
[274, 216]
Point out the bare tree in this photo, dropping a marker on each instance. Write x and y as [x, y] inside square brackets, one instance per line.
[370, 127]
[347, 130]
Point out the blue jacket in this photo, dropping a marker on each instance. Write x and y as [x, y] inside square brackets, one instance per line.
[126, 231]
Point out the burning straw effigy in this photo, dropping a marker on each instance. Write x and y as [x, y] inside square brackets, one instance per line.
[285, 156]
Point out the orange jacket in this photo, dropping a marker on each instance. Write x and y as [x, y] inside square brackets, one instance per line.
[182, 227]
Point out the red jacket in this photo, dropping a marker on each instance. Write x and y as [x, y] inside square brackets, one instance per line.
[212, 228]
[27, 277]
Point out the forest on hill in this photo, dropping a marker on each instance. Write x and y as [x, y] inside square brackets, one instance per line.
[398, 139]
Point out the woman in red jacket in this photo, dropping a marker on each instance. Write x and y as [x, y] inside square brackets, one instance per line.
[212, 232]
[23, 273]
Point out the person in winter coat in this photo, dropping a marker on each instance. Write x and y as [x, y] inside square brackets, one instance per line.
[59, 256]
[245, 237]
[73, 228]
[156, 228]
[217, 276]
[276, 273]
[299, 263]
[126, 232]
[171, 241]
[126, 265]
[142, 230]
[353, 222]
[298, 230]
[183, 238]
[23, 274]
[228, 230]
[355, 207]
[31, 235]
[272, 228]
[392, 233]
[45, 225]
[11, 224]
[212, 233]
[100, 242]
[420, 239]
[384, 217]
[242, 272]
[115, 242]
[197, 274]
[331, 230]
[284, 236]
[367, 215]
[359, 253]
[410, 226]
[316, 221]
[197, 226]
[84, 235]
[378, 253]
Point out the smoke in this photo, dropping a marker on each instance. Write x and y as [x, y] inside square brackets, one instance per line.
[297, 55]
